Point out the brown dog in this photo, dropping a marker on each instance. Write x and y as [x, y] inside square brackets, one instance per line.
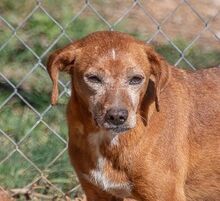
[139, 128]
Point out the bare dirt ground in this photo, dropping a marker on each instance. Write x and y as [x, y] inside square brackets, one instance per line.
[176, 18]
[5, 196]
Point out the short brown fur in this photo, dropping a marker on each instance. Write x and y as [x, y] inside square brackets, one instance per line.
[173, 152]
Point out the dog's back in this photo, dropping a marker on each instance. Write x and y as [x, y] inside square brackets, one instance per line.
[204, 136]
[191, 100]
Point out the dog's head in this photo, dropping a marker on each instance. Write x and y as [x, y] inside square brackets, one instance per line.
[111, 73]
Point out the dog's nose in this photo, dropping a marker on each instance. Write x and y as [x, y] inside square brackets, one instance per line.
[116, 116]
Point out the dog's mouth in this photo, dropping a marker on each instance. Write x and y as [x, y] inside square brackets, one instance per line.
[118, 129]
[113, 128]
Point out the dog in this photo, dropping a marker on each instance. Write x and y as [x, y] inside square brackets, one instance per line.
[138, 127]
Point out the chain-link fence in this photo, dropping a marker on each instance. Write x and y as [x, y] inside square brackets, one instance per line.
[33, 135]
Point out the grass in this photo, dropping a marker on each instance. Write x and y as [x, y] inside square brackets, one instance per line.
[197, 56]
[41, 145]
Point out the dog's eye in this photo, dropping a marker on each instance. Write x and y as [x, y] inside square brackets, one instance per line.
[137, 79]
[94, 79]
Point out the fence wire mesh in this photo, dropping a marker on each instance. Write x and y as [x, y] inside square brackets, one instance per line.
[33, 135]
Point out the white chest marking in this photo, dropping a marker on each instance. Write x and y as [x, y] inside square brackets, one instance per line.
[115, 141]
[113, 54]
[98, 176]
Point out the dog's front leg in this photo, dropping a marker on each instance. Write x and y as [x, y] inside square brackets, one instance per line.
[160, 190]
[168, 197]
[95, 194]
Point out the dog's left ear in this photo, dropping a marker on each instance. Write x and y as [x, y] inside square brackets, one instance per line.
[60, 60]
[159, 73]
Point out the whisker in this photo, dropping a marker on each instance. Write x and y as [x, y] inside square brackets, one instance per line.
[143, 117]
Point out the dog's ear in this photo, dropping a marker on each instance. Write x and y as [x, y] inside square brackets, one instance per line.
[159, 73]
[60, 60]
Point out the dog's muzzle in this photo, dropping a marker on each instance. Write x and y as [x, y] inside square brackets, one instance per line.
[115, 119]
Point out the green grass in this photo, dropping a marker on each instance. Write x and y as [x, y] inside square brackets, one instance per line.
[16, 119]
[41, 146]
[197, 56]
